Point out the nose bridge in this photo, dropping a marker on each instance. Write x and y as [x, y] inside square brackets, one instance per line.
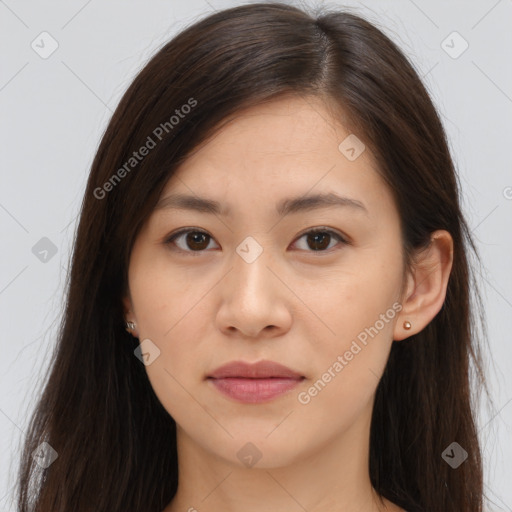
[250, 272]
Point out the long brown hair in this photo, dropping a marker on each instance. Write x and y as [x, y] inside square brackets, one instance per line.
[115, 442]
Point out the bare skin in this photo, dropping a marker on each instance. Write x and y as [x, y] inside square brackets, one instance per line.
[292, 304]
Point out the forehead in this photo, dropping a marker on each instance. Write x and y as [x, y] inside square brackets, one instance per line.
[285, 147]
[284, 129]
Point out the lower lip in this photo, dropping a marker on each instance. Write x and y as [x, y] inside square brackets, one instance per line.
[254, 391]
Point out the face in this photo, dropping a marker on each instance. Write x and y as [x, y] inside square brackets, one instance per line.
[253, 281]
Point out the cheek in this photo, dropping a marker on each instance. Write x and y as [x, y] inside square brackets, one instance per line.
[174, 327]
[358, 311]
[165, 306]
[162, 294]
[348, 365]
[347, 303]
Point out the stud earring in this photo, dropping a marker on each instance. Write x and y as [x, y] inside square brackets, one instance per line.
[130, 326]
[407, 325]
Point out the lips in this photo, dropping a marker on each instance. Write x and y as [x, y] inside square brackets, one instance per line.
[254, 383]
[260, 370]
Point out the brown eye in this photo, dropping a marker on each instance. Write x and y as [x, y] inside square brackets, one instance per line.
[190, 240]
[319, 240]
[196, 240]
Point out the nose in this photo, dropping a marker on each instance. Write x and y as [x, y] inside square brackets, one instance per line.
[255, 303]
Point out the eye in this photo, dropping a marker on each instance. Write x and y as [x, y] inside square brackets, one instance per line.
[319, 239]
[196, 241]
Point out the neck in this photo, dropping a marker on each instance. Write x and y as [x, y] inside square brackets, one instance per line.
[332, 478]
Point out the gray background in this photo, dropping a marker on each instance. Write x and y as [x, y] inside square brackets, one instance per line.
[54, 110]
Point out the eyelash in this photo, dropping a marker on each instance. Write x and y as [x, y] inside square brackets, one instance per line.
[324, 230]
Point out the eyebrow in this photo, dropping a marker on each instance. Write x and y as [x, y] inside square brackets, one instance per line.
[284, 207]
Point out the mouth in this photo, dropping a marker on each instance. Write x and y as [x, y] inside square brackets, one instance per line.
[254, 390]
[254, 383]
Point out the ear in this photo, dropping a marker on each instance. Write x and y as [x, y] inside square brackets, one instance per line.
[426, 285]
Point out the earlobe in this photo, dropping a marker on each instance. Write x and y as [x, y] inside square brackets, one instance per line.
[130, 322]
[426, 288]
[131, 327]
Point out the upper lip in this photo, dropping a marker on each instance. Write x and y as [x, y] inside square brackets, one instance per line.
[259, 370]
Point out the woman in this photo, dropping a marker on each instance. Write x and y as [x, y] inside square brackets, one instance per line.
[269, 299]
